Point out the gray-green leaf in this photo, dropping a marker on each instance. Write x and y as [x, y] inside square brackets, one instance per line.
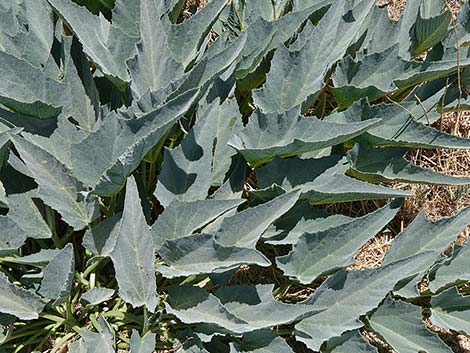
[321, 180]
[349, 342]
[317, 253]
[389, 164]
[96, 296]
[12, 236]
[145, 344]
[244, 229]
[346, 296]
[200, 253]
[181, 219]
[455, 271]
[58, 276]
[153, 67]
[17, 301]
[289, 134]
[133, 255]
[451, 311]
[400, 324]
[109, 45]
[57, 187]
[193, 32]
[119, 145]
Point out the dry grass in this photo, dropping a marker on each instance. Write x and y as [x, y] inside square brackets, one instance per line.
[376, 341]
[435, 201]
[440, 201]
[193, 6]
[257, 275]
[371, 255]
[395, 8]
[464, 342]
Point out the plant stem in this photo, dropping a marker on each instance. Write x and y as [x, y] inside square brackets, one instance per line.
[152, 176]
[47, 337]
[68, 310]
[51, 221]
[60, 343]
[123, 316]
[92, 280]
[94, 266]
[60, 320]
[32, 339]
[146, 321]
[144, 173]
[81, 279]
[22, 334]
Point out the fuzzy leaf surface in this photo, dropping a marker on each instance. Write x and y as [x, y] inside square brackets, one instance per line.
[133, 254]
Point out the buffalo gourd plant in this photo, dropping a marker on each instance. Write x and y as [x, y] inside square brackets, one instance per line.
[149, 159]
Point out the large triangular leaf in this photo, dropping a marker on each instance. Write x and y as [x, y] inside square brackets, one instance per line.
[218, 62]
[119, 145]
[59, 143]
[12, 236]
[245, 228]
[92, 342]
[27, 31]
[263, 36]
[81, 101]
[300, 219]
[193, 32]
[430, 31]
[96, 296]
[455, 271]
[133, 254]
[57, 187]
[194, 305]
[101, 239]
[400, 324]
[40, 258]
[423, 236]
[107, 44]
[58, 276]
[289, 134]
[200, 253]
[153, 67]
[351, 341]
[256, 306]
[26, 89]
[261, 342]
[297, 76]
[186, 171]
[181, 219]
[398, 128]
[376, 74]
[346, 296]
[231, 310]
[227, 118]
[320, 180]
[317, 253]
[389, 164]
[17, 301]
[142, 345]
[451, 311]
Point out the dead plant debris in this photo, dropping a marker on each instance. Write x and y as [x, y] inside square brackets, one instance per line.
[191, 7]
[371, 255]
